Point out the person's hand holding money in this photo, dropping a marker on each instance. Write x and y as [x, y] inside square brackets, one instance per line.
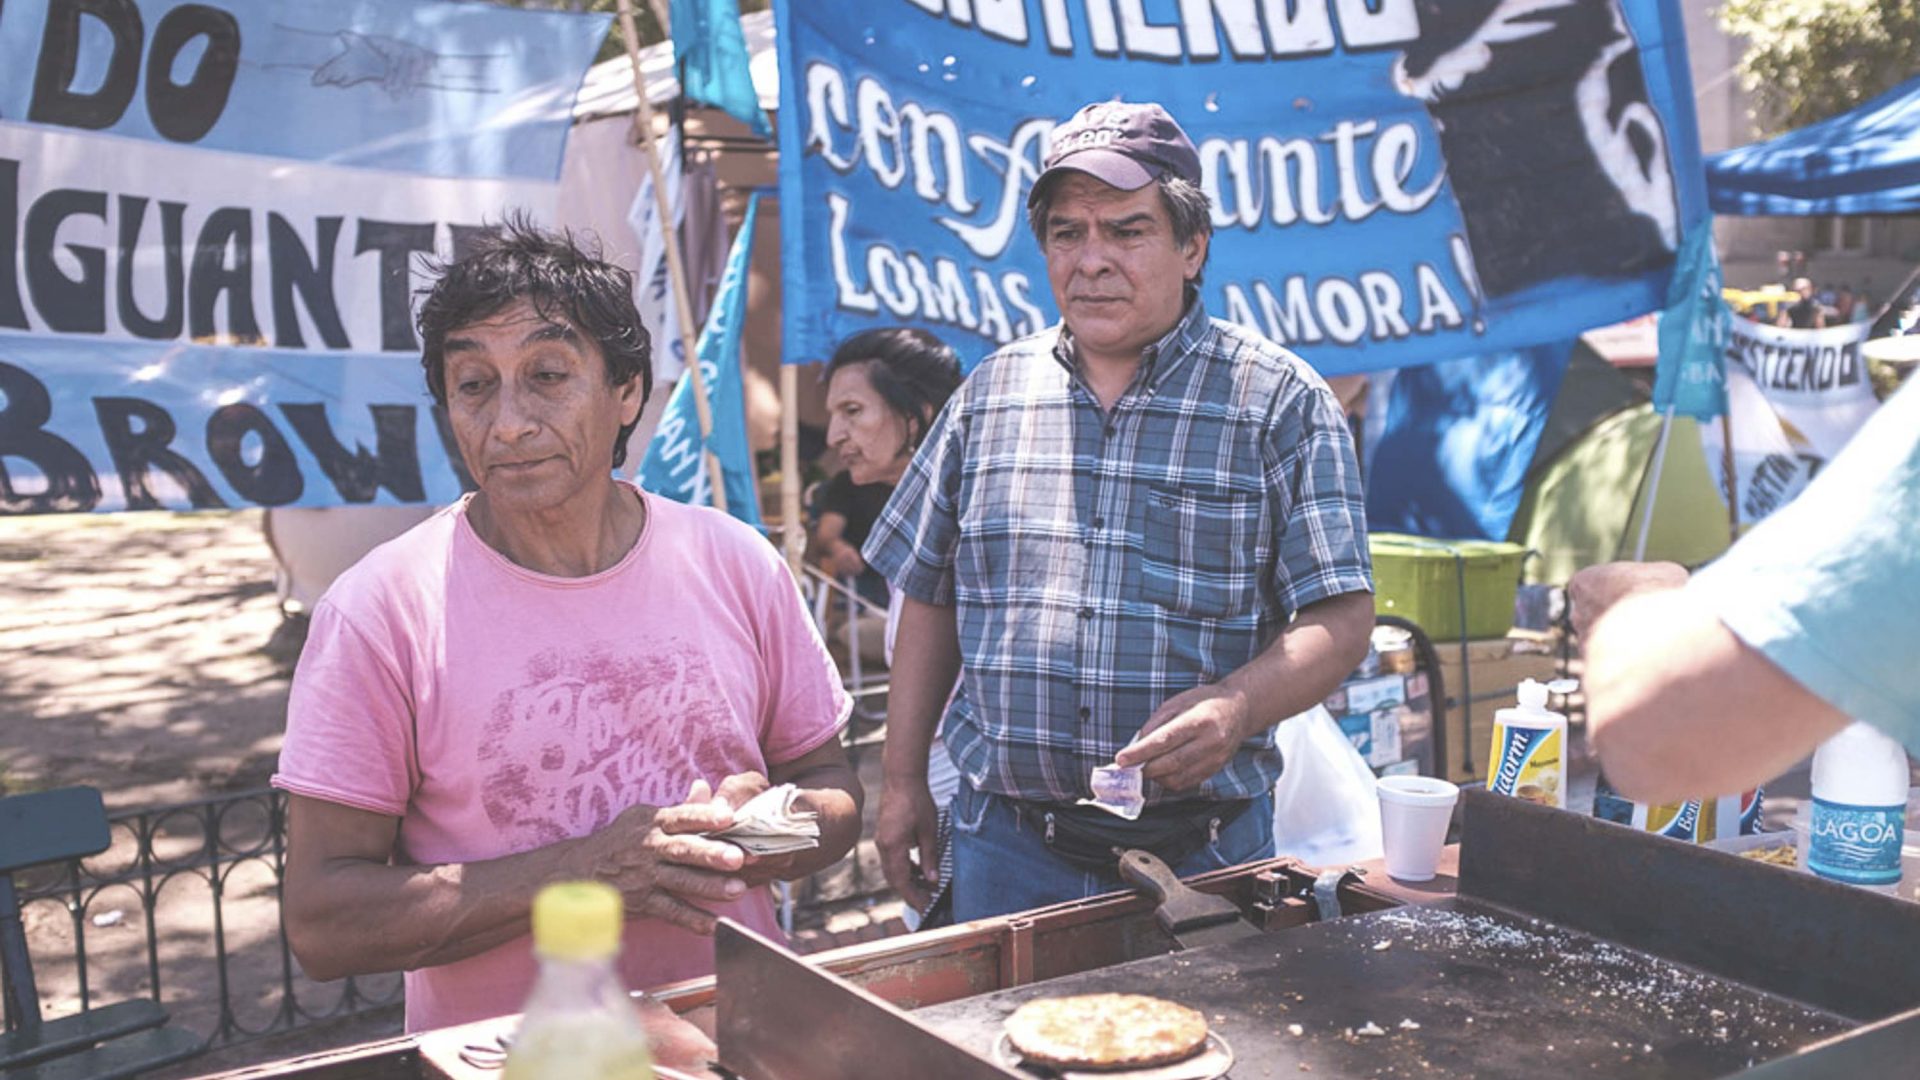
[736, 791]
[772, 825]
[1117, 789]
[663, 863]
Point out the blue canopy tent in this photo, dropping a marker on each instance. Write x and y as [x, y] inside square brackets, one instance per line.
[1866, 161]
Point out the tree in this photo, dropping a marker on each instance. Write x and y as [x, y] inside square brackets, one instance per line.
[1807, 60]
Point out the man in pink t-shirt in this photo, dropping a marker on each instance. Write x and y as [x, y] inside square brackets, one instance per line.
[559, 677]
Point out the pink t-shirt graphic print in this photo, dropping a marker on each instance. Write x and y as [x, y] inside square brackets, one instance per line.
[494, 710]
[588, 735]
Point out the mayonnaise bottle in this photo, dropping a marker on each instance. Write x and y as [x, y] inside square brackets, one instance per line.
[1529, 759]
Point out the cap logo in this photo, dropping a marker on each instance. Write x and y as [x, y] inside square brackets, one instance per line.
[1089, 139]
[1123, 144]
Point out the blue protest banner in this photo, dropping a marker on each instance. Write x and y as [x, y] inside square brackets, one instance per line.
[675, 465]
[1690, 377]
[712, 54]
[215, 218]
[1394, 181]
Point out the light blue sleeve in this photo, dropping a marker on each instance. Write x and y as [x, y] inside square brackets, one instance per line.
[1828, 588]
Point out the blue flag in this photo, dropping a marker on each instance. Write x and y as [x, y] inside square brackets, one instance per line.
[711, 53]
[1458, 439]
[1691, 378]
[675, 465]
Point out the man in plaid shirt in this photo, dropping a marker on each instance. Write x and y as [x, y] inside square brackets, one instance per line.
[1137, 538]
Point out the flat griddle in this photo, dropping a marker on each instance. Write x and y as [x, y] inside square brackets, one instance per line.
[1492, 995]
[1573, 948]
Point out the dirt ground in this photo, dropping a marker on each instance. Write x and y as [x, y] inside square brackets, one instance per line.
[144, 654]
[135, 655]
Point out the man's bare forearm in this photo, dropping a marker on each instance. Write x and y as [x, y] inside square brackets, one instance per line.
[926, 660]
[834, 793]
[1678, 707]
[349, 912]
[1304, 664]
[353, 916]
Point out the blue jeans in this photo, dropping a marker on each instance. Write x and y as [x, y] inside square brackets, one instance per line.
[1002, 865]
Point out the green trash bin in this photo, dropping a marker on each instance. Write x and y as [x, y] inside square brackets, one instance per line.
[1426, 580]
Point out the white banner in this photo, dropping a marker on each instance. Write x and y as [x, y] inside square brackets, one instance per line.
[1816, 380]
[1794, 398]
[651, 295]
[173, 243]
[134, 267]
[1769, 468]
[214, 222]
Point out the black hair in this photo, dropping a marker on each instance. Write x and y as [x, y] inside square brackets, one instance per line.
[565, 280]
[913, 371]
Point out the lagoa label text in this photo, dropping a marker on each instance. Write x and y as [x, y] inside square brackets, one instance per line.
[1856, 844]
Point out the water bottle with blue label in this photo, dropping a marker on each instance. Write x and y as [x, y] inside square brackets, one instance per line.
[1859, 808]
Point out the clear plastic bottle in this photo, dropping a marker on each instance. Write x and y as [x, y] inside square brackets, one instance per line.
[579, 1023]
[1859, 808]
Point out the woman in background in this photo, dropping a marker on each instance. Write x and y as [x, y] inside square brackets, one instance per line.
[884, 387]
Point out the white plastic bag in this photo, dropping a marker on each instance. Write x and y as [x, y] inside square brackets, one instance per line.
[1325, 810]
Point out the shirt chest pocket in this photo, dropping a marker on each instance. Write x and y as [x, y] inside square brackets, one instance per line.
[1202, 551]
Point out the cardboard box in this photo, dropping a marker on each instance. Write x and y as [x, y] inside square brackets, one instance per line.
[1358, 728]
[1416, 729]
[1497, 666]
[1379, 692]
[1388, 719]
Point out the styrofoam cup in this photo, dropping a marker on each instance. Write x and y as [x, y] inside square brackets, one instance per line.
[1414, 812]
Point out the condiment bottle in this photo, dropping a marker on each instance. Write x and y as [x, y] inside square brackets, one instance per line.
[1529, 759]
[579, 1023]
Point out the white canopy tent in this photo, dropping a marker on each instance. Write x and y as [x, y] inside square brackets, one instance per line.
[608, 87]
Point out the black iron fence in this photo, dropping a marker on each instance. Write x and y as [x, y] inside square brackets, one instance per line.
[185, 907]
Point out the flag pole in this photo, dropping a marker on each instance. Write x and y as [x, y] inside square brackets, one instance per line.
[792, 536]
[1733, 478]
[1653, 489]
[1894, 296]
[676, 273]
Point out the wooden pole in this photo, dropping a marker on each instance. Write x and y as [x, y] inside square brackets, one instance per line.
[676, 272]
[1733, 479]
[1894, 296]
[792, 535]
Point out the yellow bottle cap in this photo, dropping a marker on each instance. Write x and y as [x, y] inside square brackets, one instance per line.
[577, 920]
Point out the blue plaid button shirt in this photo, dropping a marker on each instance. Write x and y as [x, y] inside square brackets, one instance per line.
[1101, 562]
